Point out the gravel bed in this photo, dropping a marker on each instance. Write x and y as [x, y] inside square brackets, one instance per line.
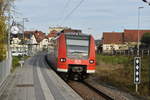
[111, 91]
[85, 92]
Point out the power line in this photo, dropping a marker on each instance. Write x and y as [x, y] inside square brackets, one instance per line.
[146, 1]
[63, 10]
[73, 10]
[65, 7]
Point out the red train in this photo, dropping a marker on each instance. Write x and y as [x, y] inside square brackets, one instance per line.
[73, 56]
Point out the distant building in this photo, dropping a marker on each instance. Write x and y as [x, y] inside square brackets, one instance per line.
[52, 34]
[17, 45]
[131, 37]
[71, 31]
[31, 42]
[121, 40]
[113, 41]
[57, 29]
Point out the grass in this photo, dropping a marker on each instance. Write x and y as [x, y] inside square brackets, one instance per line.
[118, 71]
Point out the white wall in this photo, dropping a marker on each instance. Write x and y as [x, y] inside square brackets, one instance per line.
[110, 47]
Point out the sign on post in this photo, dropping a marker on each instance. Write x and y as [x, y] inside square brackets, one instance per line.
[137, 70]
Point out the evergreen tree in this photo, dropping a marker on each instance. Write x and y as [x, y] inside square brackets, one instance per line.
[146, 39]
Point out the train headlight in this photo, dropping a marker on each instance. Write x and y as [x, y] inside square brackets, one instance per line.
[62, 59]
[91, 61]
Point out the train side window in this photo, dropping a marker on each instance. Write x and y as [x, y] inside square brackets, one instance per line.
[55, 48]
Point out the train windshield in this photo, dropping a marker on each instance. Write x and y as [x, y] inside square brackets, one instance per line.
[77, 48]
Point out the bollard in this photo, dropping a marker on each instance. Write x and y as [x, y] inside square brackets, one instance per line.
[148, 52]
[142, 53]
[21, 63]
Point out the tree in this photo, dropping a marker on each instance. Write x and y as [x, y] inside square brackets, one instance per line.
[146, 39]
[4, 6]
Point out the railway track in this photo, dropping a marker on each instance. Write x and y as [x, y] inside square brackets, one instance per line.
[88, 92]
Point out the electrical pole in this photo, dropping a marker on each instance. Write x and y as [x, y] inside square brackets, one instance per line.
[23, 33]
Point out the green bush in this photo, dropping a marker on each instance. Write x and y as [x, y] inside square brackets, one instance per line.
[3, 36]
[146, 38]
[15, 62]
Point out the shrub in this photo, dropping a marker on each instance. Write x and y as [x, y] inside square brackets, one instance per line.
[3, 39]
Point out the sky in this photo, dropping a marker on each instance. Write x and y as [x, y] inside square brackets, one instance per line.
[92, 16]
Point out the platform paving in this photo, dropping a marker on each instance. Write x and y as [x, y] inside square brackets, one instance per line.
[35, 80]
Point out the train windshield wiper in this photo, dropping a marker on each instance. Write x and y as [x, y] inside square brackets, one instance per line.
[78, 52]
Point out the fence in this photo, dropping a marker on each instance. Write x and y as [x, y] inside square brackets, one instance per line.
[5, 67]
[142, 52]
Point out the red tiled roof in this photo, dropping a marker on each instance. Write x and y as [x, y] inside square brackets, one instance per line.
[39, 35]
[132, 35]
[52, 34]
[112, 38]
[27, 34]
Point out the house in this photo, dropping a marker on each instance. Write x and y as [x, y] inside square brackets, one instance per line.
[44, 43]
[37, 40]
[121, 40]
[131, 37]
[17, 45]
[113, 41]
[52, 34]
[31, 42]
[41, 39]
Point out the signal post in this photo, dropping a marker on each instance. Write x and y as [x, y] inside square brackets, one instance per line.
[137, 72]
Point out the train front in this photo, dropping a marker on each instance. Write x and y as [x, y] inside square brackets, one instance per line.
[79, 59]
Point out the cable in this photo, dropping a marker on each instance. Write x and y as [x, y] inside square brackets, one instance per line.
[146, 2]
[65, 7]
[73, 10]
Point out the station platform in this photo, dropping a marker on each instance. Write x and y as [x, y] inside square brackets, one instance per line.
[35, 80]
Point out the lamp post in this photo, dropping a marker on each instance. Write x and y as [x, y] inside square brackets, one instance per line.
[138, 44]
[137, 60]
[24, 49]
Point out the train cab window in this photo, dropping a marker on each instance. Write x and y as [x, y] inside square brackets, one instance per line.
[77, 48]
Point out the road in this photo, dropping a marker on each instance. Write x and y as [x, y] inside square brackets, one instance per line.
[37, 81]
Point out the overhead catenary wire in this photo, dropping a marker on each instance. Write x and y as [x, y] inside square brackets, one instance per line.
[62, 12]
[66, 6]
[72, 11]
[148, 2]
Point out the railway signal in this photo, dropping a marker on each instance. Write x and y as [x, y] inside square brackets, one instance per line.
[137, 71]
